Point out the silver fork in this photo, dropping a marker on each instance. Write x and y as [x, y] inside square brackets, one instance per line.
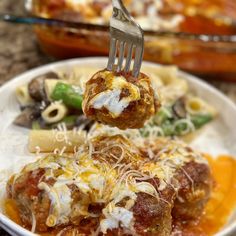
[125, 34]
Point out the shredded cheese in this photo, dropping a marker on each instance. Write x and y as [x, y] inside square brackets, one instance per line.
[111, 98]
[111, 170]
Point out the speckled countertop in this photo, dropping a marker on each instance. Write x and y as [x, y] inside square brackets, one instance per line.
[19, 52]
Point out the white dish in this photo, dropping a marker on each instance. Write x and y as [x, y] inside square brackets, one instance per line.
[217, 138]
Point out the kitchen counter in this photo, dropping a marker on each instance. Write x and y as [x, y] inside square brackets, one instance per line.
[20, 52]
[18, 47]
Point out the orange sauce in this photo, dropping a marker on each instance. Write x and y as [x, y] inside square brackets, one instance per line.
[217, 211]
[223, 199]
[11, 211]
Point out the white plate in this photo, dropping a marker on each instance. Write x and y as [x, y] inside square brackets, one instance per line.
[217, 138]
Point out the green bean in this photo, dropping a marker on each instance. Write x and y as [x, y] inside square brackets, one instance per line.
[168, 128]
[200, 120]
[68, 95]
[162, 115]
[181, 129]
[69, 121]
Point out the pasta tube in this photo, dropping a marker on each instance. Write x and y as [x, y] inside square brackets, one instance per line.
[54, 113]
[49, 85]
[68, 94]
[196, 106]
[168, 74]
[51, 140]
[23, 96]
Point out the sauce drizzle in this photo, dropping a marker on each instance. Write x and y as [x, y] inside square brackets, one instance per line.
[217, 211]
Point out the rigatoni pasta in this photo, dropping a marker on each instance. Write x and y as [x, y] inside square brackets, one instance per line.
[23, 96]
[196, 105]
[54, 113]
[52, 140]
[49, 85]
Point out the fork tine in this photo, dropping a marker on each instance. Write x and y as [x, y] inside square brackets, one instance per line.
[137, 61]
[129, 57]
[112, 54]
[121, 56]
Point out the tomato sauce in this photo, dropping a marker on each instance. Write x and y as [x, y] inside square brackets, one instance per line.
[217, 211]
[223, 198]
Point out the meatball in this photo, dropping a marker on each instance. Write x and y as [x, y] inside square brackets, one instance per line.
[188, 173]
[34, 202]
[113, 187]
[119, 99]
[195, 183]
[153, 216]
[30, 200]
[120, 150]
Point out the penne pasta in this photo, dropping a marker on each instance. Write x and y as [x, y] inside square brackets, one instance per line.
[54, 113]
[49, 85]
[52, 140]
[23, 96]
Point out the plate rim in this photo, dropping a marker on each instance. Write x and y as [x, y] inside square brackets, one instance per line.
[15, 228]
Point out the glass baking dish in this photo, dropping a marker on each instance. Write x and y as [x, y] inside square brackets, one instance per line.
[201, 46]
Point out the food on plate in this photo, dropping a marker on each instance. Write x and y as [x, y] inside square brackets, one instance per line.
[182, 117]
[48, 100]
[118, 99]
[58, 141]
[181, 112]
[111, 186]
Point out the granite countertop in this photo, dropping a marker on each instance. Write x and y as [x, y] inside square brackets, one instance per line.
[19, 52]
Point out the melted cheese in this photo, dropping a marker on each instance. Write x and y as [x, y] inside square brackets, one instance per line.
[123, 192]
[114, 217]
[60, 197]
[111, 183]
[217, 211]
[145, 187]
[111, 100]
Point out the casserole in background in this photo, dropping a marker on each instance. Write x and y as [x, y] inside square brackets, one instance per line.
[196, 40]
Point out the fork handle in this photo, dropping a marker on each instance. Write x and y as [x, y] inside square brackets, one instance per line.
[119, 5]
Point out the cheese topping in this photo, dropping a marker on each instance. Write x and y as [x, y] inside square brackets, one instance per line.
[111, 98]
[113, 175]
[60, 197]
[114, 217]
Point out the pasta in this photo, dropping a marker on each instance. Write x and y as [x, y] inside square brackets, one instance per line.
[23, 96]
[180, 114]
[195, 105]
[49, 85]
[167, 82]
[167, 74]
[51, 141]
[54, 113]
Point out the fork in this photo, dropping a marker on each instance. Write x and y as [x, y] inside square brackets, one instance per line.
[125, 34]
